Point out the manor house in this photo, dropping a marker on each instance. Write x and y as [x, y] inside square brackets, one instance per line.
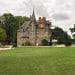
[34, 31]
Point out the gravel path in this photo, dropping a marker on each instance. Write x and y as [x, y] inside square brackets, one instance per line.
[8, 48]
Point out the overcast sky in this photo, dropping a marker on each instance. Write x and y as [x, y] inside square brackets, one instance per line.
[60, 12]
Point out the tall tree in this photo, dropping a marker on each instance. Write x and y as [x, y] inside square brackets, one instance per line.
[11, 24]
[21, 19]
[2, 35]
[61, 36]
[73, 31]
[73, 34]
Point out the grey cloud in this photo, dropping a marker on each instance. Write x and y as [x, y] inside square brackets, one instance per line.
[28, 6]
[59, 10]
[61, 16]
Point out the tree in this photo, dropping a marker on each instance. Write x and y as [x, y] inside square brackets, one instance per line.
[67, 39]
[61, 36]
[2, 35]
[8, 24]
[11, 24]
[57, 33]
[73, 34]
[21, 19]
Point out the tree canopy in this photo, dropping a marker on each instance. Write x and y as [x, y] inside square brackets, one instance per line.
[61, 36]
[2, 35]
[11, 24]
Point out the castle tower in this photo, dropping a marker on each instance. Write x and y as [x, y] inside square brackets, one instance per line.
[33, 28]
[32, 17]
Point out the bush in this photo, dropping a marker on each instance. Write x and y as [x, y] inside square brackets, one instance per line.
[50, 43]
[44, 42]
[73, 41]
[67, 40]
[2, 35]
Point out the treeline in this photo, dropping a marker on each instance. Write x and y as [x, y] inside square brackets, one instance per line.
[58, 36]
[9, 25]
[61, 36]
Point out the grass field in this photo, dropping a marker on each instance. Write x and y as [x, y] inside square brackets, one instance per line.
[38, 61]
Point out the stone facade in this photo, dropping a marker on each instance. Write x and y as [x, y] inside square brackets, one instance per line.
[34, 31]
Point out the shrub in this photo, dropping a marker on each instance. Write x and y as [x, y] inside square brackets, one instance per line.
[44, 42]
[67, 40]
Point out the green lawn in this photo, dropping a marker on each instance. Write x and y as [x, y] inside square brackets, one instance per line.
[38, 61]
